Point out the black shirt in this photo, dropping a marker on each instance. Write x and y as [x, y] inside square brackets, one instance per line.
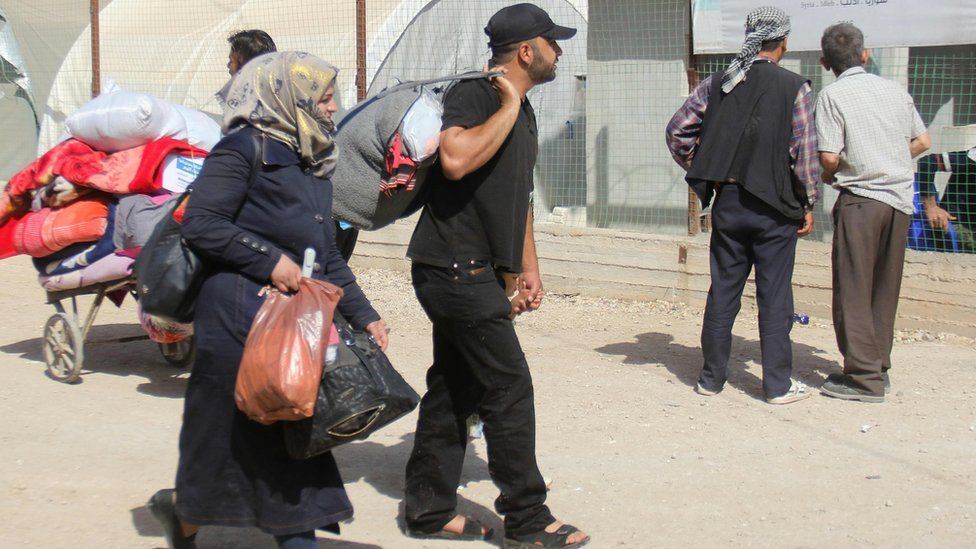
[482, 216]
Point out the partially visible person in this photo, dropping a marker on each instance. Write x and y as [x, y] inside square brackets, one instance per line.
[746, 134]
[246, 45]
[262, 197]
[474, 233]
[868, 131]
[958, 203]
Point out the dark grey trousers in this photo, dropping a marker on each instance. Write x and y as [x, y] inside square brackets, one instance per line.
[747, 232]
[868, 257]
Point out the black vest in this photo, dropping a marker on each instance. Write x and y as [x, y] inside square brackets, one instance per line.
[745, 138]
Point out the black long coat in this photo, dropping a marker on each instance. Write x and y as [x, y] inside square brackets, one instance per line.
[233, 471]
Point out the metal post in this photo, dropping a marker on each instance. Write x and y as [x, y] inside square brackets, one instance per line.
[95, 51]
[360, 50]
[694, 226]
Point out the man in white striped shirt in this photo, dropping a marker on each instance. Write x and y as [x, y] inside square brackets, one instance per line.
[868, 131]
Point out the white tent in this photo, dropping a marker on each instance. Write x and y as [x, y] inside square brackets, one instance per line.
[177, 50]
[34, 39]
[447, 36]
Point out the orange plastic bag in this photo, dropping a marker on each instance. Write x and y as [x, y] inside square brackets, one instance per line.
[284, 353]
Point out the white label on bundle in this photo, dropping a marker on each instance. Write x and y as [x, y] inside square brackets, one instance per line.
[179, 171]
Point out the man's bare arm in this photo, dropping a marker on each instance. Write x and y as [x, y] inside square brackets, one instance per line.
[920, 144]
[464, 150]
[830, 162]
[530, 296]
[937, 217]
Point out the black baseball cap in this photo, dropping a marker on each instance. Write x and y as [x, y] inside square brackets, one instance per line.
[523, 22]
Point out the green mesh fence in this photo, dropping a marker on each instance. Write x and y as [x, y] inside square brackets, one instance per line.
[603, 161]
[942, 81]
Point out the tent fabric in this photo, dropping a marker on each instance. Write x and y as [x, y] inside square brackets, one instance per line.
[10, 53]
[177, 51]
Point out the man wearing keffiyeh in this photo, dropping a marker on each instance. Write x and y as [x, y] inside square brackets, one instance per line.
[746, 136]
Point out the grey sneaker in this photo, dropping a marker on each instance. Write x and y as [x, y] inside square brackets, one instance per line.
[843, 390]
[798, 391]
[839, 378]
[706, 392]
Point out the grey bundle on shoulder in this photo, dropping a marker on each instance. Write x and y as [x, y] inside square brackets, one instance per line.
[364, 136]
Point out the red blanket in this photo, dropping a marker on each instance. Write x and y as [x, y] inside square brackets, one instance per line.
[136, 170]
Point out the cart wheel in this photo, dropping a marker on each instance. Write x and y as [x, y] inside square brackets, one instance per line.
[179, 354]
[63, 348]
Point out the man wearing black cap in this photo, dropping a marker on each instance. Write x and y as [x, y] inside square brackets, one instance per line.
[474, 233]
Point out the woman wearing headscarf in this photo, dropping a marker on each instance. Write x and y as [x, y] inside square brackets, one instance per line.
[262, 197]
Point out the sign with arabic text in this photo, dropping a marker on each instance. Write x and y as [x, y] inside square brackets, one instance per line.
[719, 25]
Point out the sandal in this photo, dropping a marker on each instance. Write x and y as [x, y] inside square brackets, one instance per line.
[472, 531]
[161, 506]
[542, 538]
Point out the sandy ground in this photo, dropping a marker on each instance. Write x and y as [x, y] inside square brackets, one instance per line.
[634, 455]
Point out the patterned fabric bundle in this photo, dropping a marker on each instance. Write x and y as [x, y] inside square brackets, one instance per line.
[161, 330]
[80, 255]
[106, 269]
[762, 25]
[42, 233]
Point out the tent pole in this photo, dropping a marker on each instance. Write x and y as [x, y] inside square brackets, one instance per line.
[95, 53]
[360, 50]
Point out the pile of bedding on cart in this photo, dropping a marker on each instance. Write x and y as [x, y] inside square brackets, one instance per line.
[84, 209]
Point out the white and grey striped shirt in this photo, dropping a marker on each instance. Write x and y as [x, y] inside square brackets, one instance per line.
[870, 122]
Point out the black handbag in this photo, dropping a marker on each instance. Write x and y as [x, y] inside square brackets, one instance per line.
[360, 393]
[168, 272]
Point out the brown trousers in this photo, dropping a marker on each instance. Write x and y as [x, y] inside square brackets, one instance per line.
[868, 256]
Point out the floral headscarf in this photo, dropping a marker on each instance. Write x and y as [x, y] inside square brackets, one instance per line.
[278, 93]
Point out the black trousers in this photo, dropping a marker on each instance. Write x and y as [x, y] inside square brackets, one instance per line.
[346, 240]
[478, 367]
[747, 232]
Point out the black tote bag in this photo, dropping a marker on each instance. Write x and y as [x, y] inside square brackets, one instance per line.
[168, 272]
[360, 393]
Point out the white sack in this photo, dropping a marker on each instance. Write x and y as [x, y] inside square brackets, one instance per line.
[122, 119]
[421, 126]
[201, 130]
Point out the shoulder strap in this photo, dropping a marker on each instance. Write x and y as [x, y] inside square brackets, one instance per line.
[470, 75]
[256, 160]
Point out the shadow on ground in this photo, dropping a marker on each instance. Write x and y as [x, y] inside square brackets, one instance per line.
[104, 355]
[219, 537]
[382, 467]
[685, 362]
